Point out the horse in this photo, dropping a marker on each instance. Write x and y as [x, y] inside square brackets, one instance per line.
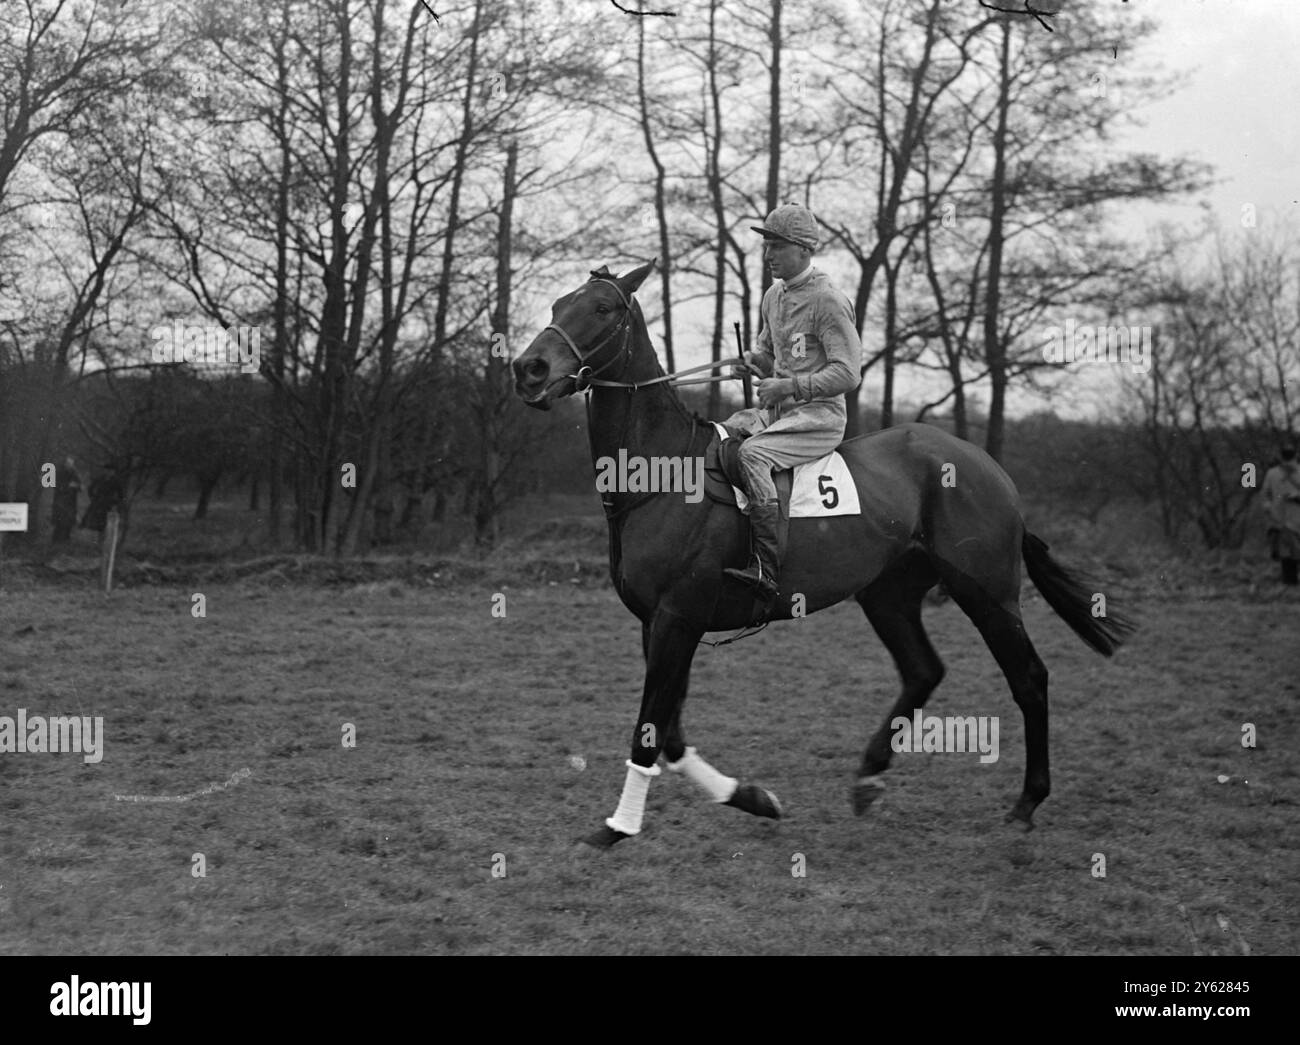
[935, 509]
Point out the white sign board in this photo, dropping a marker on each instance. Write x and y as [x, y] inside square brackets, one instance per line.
[13, 517]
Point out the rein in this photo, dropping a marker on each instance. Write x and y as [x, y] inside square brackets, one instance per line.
[586, 377]
[675, 379]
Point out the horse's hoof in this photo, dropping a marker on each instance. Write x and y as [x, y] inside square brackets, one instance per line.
[603, 838]
[755, 800]
[1021, 820]
[866, 791]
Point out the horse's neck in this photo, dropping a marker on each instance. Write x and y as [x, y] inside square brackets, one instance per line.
[647, 422]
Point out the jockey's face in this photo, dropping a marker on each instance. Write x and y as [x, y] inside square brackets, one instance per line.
[784, 258]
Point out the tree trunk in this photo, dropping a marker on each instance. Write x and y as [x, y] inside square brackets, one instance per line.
[207, 484]
[714, 408]
[496, 379]
[772, 196]
[443, 302]
[661, 205]
[377, 444]
[994, 348]
[279, 406]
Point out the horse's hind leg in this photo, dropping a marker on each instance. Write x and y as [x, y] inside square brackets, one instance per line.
[893, 606]
[1004, 633]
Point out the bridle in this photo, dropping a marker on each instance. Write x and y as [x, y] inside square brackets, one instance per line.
[587, 375]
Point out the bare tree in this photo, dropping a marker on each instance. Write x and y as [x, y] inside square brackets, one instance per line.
[64, 71]
[661, 201]
[1215, 399]
[924, 54]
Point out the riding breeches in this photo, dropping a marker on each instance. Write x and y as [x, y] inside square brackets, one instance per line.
[804, 432]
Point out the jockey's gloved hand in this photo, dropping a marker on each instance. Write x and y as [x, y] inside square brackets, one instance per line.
[755, 365]
[772, 390]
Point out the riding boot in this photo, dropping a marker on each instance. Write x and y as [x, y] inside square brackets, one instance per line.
[765, 571]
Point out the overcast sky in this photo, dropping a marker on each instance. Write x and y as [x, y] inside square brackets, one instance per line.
[1239, 108]
[1236, 111]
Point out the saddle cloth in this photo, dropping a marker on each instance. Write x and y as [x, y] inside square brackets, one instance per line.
[820, 488]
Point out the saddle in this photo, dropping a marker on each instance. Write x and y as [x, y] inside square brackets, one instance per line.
[722, 473]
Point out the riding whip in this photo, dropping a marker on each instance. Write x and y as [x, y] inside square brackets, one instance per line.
[748, 384]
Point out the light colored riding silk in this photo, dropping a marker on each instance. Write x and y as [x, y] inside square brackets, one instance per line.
[808, 334]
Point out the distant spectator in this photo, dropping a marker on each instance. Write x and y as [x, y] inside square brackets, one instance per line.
[1282, 507]
[67, 490]
[106, 494]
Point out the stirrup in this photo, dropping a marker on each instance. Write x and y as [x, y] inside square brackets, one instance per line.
[755, 577]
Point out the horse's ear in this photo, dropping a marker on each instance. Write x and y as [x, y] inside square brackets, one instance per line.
[601, 273]
[631, 280]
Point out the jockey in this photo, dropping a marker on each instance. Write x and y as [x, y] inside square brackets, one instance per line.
[808, 356]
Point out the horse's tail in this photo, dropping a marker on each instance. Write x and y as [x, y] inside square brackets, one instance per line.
[1072, 599]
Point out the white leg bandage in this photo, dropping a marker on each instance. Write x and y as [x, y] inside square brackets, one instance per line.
[631, 807]
[718, 787]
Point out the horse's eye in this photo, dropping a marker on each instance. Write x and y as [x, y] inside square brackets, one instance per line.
[602, 310]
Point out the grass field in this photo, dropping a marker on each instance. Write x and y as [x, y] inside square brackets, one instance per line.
[489, 743]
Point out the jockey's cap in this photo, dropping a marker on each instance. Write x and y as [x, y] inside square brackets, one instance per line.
[792, 223]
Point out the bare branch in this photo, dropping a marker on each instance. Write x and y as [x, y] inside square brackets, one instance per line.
[644, 14]
[1027, 10]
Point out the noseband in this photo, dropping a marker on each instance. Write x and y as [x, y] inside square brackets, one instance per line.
[583, 378]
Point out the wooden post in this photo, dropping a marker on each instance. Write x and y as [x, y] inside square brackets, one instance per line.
[13, 516]
[108, 551]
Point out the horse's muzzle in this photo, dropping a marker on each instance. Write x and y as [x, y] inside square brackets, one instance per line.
[530, 381]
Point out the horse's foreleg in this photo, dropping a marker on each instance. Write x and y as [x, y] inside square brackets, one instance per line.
[686, 761]
[716, 785]
[669, 643]
[726, 790]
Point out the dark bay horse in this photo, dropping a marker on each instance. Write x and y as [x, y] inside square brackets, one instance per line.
[934, 509]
